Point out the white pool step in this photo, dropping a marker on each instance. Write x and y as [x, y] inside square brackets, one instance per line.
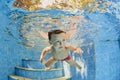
[15, 77]
[38, 73]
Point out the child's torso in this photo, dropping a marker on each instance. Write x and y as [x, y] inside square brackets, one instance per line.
[59, 55]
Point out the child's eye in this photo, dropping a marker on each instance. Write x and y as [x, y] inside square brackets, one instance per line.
[63, 39]
[57, 42]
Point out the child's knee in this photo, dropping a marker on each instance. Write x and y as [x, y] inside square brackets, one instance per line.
[47, 65]
[53, 59]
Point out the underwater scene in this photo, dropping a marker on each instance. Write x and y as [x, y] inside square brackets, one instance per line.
[87, 30]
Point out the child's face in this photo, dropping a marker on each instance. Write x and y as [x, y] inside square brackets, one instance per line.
[58, 40]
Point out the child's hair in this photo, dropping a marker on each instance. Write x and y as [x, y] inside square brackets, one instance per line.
[58, 31]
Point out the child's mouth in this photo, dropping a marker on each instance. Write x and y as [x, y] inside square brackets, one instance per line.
[60, 47]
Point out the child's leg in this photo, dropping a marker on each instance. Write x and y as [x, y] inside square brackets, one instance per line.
[73, 63]
[49, 63]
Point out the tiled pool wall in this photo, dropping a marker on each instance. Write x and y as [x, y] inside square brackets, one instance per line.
[106, 49]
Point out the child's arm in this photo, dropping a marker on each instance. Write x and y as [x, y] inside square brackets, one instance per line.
[44, 52]
[74, 48]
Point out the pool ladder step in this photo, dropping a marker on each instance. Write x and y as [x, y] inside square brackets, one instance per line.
[38, 73]
[15, 77]
[32, 69]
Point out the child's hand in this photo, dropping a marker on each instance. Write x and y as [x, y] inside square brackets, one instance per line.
[41, 59]
[78, 50]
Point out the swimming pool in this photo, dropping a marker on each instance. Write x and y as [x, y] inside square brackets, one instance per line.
[95, 30]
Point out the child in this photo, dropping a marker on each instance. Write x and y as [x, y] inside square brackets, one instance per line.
[59, 49]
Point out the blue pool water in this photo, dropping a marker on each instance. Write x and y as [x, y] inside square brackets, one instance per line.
[97, 33]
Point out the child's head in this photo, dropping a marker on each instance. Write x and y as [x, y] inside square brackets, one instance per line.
[53, 32]
[57, 38]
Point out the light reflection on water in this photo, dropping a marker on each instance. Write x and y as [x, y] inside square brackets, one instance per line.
[75, 22]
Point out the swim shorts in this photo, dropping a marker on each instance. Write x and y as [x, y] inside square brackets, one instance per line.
[67, 58]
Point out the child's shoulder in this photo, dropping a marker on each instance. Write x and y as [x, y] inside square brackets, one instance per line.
[67, 45]
[49, 47]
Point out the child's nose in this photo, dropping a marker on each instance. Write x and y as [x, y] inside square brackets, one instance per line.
[60, 43]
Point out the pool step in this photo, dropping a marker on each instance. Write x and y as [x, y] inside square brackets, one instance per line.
[35, 63]
[38, 73]
[32, 63]
[15, 77]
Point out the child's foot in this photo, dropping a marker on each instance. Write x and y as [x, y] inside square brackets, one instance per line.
[47, 68]
[83, 71]
[79, 67]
